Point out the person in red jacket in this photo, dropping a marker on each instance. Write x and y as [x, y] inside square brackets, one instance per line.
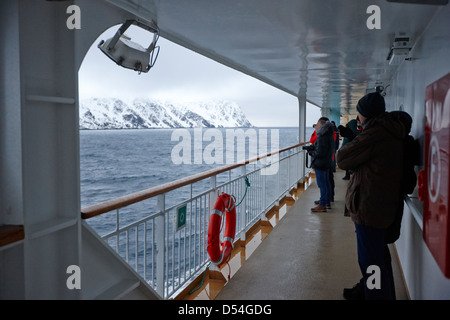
[313, 138]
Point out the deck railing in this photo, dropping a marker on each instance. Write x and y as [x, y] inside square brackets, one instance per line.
[144, 226]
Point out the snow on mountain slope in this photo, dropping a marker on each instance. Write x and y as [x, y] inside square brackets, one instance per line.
[113, 113]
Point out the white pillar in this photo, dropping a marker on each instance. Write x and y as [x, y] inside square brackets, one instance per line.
[40, 151]
[302, 132]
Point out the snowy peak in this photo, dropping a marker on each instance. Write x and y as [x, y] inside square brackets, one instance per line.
[113, 113]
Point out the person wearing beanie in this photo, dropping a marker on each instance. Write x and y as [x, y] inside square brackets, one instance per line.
[369, 106]
[375, 156]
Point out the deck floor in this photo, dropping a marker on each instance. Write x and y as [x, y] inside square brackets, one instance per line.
[306, 256]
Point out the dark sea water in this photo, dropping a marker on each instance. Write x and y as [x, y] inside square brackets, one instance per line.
[115, 163]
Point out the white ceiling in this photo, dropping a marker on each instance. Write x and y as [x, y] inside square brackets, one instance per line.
[319, 48]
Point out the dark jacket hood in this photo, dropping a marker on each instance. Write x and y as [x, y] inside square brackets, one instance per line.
[387, 124]
[322, 154]
[326, 128]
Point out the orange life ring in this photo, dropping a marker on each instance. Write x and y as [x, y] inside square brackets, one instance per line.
[220, 252]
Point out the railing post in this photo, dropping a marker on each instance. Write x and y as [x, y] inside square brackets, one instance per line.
[289, 170]
[262, 206]
[302, 165]
[160, 242]
[243, 205]
[213, 183]
[278, 180]
[264, 199]
[302, 133]
[213, 193]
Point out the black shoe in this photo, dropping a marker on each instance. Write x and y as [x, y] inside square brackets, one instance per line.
[355, 293]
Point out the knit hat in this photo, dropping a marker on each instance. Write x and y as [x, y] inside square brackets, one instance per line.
[371, 105]
[404, 118]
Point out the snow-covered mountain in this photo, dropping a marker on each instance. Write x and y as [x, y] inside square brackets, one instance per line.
[113, 113]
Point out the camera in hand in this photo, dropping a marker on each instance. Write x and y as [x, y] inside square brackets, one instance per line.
[308, 147]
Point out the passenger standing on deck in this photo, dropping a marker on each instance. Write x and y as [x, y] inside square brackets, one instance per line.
[372, 199]
[333, 169]
[321, 153]
[349, 132]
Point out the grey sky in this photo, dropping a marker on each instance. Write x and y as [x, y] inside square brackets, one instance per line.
[182, 75]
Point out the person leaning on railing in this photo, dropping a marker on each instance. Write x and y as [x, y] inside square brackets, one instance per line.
[322, 162]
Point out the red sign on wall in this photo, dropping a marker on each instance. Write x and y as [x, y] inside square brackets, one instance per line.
[436, 219]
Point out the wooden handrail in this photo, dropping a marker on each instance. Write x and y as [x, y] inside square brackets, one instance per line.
[124, 201]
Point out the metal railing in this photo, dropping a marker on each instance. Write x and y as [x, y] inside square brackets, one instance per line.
[144, 225]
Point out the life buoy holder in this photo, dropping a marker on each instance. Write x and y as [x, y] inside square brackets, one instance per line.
[219, 252]
[421, 185]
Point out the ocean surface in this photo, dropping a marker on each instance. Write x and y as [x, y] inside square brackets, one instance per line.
[115, 163]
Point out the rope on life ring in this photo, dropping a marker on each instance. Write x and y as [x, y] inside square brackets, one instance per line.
[219, 252]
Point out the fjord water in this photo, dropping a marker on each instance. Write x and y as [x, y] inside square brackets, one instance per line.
[115, 163]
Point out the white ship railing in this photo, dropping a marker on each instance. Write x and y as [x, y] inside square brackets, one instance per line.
[143, 225]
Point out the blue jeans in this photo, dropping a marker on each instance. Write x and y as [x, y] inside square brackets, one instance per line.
[323, 181]
[373, 251]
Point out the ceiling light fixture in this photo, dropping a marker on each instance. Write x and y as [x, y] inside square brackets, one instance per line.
[129, 54]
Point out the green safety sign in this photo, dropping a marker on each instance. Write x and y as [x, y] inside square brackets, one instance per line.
[181, 217]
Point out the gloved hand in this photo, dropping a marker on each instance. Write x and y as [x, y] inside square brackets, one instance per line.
[346, 132]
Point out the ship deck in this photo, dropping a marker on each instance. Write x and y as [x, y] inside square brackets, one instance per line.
[305, 256]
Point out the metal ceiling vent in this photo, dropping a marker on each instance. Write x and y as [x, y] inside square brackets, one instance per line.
[400, 48]
[129, 54]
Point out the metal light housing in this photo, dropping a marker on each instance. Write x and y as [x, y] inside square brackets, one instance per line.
[400, 49]
[129, 54]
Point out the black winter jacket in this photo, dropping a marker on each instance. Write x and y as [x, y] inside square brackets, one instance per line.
[324, 148]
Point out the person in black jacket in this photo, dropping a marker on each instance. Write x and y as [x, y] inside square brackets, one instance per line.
[411, 158]
[322, 162]
[349, 132]
[374, 192]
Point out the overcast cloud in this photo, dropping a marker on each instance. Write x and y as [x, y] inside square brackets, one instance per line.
[182, 75]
